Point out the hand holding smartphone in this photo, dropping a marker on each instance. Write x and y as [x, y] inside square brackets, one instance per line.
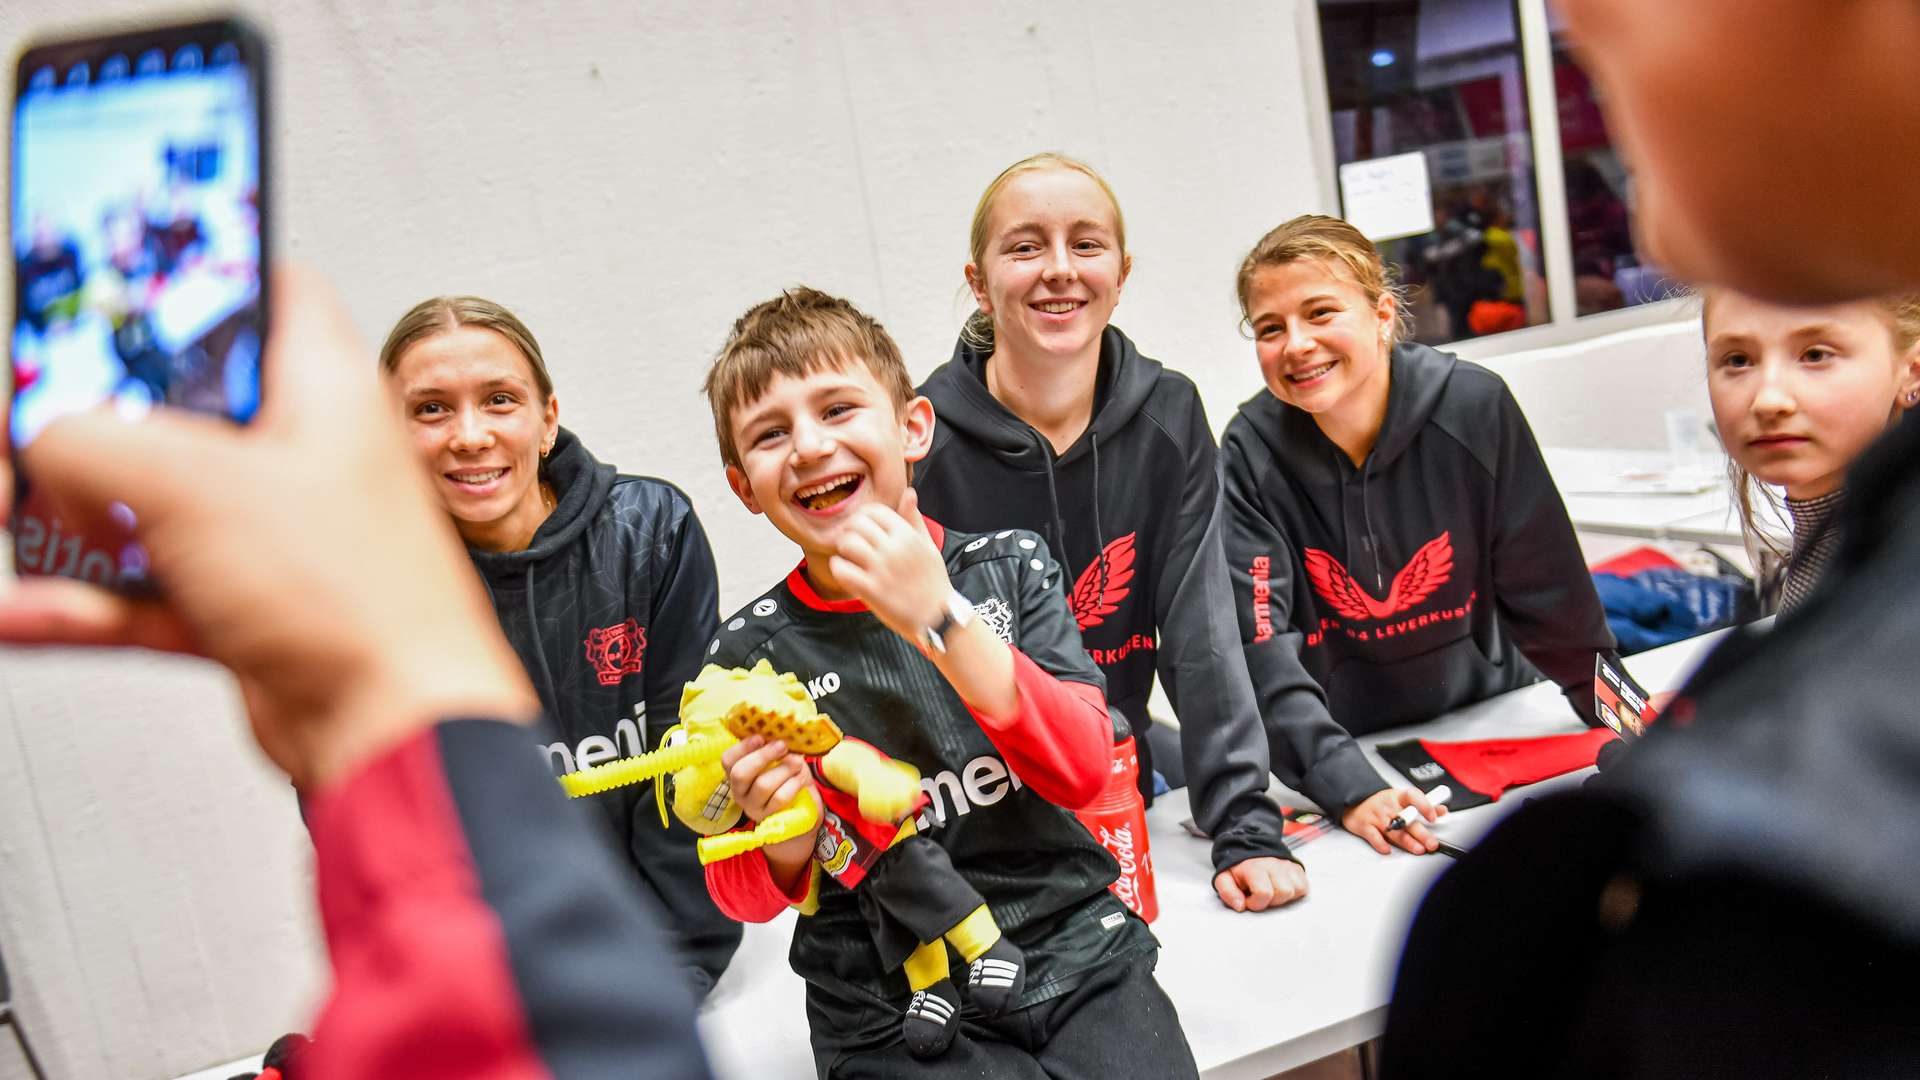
[139, 226]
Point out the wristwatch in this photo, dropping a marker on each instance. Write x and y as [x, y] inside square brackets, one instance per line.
[955, 614]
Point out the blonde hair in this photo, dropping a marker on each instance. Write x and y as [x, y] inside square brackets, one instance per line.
[796, 333]
[443, 313]
[1333, 242]
[978, 331]
[1902, 312]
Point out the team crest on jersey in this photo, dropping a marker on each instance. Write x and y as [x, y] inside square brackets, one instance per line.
[831, 847]
[1429, 569]
[1103, 584]
[616, 651]
[998, 617]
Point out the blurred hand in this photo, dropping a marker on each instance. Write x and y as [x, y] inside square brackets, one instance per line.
[303, 552]
[1261, 882]
[1369, 819]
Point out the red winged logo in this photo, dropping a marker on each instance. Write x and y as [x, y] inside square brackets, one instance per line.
[616, 651]
[1093, 599]
[1429, 569]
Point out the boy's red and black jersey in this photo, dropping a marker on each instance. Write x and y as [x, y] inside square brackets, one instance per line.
[1043, 876]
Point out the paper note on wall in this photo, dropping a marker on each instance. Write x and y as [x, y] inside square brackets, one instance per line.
[1387, 198]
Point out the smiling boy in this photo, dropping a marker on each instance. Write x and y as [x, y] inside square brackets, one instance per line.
[953, 652]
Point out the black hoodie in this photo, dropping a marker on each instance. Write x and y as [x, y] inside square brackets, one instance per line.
[1133, 510]
[610, 609]
[1424, 580]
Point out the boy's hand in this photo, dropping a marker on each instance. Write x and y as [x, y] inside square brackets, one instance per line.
[763, 776]
[887, 561]
[1261, 882]
[764, 779]
[1369, 820]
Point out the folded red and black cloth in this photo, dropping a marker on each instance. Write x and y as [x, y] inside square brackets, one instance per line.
[1479, 770]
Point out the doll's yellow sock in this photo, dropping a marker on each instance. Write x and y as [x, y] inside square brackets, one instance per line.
[975, 934]
[926, 965]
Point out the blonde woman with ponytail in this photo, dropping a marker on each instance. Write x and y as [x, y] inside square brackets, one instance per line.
[604, 583]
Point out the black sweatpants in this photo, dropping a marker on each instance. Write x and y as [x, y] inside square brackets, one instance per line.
[1118, 1023]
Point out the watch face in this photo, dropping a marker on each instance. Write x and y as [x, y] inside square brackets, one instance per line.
[959, 608]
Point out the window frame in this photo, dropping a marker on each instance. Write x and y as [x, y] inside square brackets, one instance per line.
[1563, 326]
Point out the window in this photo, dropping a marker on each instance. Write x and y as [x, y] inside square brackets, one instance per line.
[1608, 270]
[1511, 238]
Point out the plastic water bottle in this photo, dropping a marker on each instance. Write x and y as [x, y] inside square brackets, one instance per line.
[1118, 819]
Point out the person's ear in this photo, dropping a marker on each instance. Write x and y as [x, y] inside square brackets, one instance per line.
[916, 428]
[550, 425]
[737, 480]
[1386, 310]
[1909, 380]
[977, 284]
[1126, 267]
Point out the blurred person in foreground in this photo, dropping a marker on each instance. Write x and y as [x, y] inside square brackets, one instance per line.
[477, 928]
[1735, 897]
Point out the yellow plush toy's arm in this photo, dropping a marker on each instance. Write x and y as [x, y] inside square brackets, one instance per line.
[796, 820]
[887, 789]
[648, 766]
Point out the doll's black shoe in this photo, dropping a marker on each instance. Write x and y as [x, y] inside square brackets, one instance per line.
[996, 979]
[933, 1018]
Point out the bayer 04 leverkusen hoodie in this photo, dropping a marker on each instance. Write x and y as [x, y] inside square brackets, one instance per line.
[610, 609]
[1439, 572]
[1132, 508]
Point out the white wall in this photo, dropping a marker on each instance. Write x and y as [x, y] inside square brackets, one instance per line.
[628, 178]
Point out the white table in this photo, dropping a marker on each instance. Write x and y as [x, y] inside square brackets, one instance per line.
[1257, 994]
[1600, 501]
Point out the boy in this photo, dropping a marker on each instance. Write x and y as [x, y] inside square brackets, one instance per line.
[953, 652]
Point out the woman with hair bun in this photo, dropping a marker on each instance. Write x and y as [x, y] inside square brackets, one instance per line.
[604, 583]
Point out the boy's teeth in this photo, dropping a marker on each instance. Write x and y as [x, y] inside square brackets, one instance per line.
[810, 492]
[1058, 308]
[819, 495]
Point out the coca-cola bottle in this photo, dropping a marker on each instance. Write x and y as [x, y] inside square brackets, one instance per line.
[1118, 819]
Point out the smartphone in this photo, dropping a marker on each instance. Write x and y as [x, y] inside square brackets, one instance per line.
[139, 225]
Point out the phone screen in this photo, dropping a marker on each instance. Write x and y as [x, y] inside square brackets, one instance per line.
[138, 242]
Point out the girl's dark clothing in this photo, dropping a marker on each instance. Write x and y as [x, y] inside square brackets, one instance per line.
[1132, 509]
[610, 609]
[1439, 572]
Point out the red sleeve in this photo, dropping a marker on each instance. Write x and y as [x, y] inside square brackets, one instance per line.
[477, 927]
[1061, 745]
[417, 954]
[742, 888]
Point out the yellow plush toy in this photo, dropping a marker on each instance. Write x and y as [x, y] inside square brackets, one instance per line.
[865, 810]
